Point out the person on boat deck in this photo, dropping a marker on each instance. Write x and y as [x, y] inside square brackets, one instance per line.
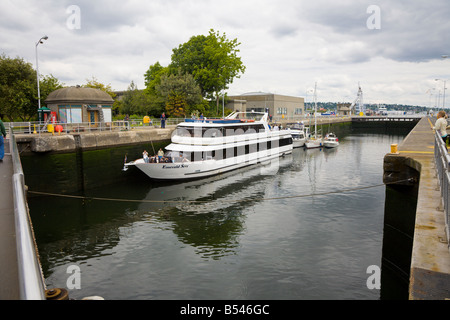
[160, 154]
[145, 156]
[2, 135]
[441, 126]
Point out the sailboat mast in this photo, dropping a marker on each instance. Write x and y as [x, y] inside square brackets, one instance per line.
[315, 110]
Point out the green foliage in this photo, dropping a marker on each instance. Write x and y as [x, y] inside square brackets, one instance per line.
[134, 101]
[94, 83]
[176, 105]
[47, 85]
[212, 60]
[18, 89]
[152, 80]
[180, 86]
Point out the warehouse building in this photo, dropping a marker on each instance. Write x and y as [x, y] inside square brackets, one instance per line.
[280, 106]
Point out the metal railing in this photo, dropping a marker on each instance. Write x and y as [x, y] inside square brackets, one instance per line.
[442, 159]
[35, 127]
[31, 280]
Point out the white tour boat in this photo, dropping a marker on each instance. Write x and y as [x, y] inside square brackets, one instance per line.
[299, 133]
[331, 141]
[206, 147]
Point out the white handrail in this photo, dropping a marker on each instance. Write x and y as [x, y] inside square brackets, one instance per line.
[31, 280]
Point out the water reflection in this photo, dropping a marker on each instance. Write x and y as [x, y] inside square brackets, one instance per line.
[207, 214]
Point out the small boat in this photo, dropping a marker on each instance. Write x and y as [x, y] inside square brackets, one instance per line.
[314, 142]
[206, 147]
[331, 141]
[299, 133]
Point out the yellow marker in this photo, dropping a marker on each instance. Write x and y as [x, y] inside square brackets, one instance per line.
[394, 148]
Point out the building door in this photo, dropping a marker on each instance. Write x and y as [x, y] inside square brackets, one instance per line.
[93, 117]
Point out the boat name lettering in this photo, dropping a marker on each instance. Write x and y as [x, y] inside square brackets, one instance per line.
[175, 166]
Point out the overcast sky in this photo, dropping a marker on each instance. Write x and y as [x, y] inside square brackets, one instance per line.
[391, 48]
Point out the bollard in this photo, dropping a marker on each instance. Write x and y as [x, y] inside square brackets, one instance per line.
[394, 148]
[57, 294]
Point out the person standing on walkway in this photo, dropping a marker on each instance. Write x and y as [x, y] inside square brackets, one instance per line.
[441, 126]
[163, 120]
[2, 143]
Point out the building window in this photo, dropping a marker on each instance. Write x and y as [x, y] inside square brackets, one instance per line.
[70, 114]
[281, 110]
[298, 111]
[107, 113]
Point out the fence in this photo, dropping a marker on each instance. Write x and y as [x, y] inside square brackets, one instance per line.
[34, 127]
[442, 159]
[121, 125]
[31, 280]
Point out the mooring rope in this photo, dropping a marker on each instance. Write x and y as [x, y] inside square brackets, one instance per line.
[209, 200]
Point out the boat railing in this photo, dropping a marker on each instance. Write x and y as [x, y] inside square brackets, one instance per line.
[442, 159]
[31, 280]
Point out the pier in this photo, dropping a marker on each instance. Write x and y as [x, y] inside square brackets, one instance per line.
[8, 251]
[413, 164]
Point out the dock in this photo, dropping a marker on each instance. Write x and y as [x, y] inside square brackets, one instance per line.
[9, 290]
[414, 163]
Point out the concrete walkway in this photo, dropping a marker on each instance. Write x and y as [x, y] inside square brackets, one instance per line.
[430, 261]
[9, 288]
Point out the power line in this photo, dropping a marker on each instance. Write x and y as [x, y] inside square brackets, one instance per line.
[203, 201]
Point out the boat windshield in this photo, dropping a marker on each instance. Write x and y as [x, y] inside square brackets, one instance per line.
[299, 126]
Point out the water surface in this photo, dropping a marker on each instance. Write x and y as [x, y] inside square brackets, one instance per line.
[305, 228]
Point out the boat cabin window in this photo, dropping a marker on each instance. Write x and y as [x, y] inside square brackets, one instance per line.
[208, 132]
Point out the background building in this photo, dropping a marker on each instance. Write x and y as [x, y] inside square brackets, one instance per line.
[78, 104]
[280, 106]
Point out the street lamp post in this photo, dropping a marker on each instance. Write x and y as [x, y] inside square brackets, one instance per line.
[37, 69]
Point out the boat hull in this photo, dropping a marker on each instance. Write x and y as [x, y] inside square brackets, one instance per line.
[205, 168]
[311, 144]
[330, 144]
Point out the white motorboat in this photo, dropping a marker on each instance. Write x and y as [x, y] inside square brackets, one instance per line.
[299, 133]
[206, 147]
[331, 141]
[314, 141]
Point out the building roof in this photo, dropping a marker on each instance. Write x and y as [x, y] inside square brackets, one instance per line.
[79, 95]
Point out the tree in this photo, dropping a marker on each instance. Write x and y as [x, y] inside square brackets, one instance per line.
[212, 60]
[47, 85]
[94, 83]
[18, 89]
[152, 80]
[183, 89]
[134, 101]
[176, 105]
